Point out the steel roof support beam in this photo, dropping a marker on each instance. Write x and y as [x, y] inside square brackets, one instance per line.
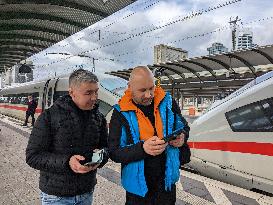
[9, 27]
[209, 85]
[251, 68]
[161, 69]
[11, 59]
[203, 66]
[11, 15]
[186, 68]
[63, 3]
[18, 49]
[264, 55]
[117, 75]
[171, 79]
[161, 65]
[124, 73]
[10, 63]
[12, 55]
[226, 66]
[4, 68]
[9, 56]
[24, 46]
[4, 63]
[25, 42]
[33, 34]
[24, 36]
[14, 50]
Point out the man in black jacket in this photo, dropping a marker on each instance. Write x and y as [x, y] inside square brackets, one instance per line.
[150, 167]
[32, 105]
[62, 136]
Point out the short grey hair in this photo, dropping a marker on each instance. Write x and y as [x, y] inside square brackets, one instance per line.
[81, 76]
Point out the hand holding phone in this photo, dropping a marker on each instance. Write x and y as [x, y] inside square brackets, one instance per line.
[92, 159]
[74, 163]
[173, 135]
[154, 146]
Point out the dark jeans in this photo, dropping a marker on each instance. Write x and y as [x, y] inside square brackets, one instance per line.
[153, 197]
[84, 199]
[27, 116]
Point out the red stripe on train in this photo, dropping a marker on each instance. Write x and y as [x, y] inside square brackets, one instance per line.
[13, 107]
[242, 147]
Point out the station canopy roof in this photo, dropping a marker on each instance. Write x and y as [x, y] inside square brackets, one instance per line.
[29, 26]
[213, 74]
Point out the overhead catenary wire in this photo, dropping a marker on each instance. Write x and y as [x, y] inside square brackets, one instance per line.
[195, 14]
[186, 38]
[194, 36]
[178, 18]
[144, 27]
[116, 21]
[223, 28]
[198, 13]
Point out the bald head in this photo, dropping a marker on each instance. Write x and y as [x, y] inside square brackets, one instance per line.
[140, 72]
[141, 84]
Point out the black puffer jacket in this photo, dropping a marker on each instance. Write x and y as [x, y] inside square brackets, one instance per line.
[60, 132]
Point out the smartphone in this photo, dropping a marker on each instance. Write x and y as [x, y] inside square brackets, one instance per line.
[92, 159]
[91, 163]
[173, 135]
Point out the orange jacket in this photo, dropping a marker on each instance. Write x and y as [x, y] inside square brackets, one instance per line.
[145, 126]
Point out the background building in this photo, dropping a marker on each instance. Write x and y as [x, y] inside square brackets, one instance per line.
[164, 53]
[217, 48]
[245, 39]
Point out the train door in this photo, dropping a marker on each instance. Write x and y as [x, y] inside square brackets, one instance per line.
[49, 90]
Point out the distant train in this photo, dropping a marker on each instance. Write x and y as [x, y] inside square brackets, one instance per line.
[233, 140]
[13, 99]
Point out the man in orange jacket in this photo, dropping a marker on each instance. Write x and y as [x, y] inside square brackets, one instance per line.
[140, 121]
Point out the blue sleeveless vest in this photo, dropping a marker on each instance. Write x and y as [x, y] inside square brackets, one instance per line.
[132, 174]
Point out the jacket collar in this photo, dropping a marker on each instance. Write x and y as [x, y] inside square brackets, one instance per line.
[126, 102]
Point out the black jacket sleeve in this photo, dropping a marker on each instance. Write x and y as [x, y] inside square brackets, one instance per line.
[176, 109]
[103, 143]
[38, 155]
[127, 154]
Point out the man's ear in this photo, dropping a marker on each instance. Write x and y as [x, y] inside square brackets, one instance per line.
[70, 91]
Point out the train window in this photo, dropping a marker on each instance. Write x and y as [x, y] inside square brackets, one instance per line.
[59, 94]
[104, 107]
[255, 117]
[24, 100]
[49, 97]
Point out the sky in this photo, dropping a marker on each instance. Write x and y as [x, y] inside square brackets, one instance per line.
[129, 35]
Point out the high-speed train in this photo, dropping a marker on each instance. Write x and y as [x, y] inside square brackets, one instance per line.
[13, 99]
[233, 140]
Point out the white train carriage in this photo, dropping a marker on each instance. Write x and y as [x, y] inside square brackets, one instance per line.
[13, 99]
[233, 140]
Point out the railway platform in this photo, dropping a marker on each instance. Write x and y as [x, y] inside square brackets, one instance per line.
[19, 182]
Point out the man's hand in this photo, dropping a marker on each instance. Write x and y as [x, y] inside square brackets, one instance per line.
[179, 141]
[77, 167]
[154, 146]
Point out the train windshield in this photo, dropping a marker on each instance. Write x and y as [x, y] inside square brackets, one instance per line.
[114, 85]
